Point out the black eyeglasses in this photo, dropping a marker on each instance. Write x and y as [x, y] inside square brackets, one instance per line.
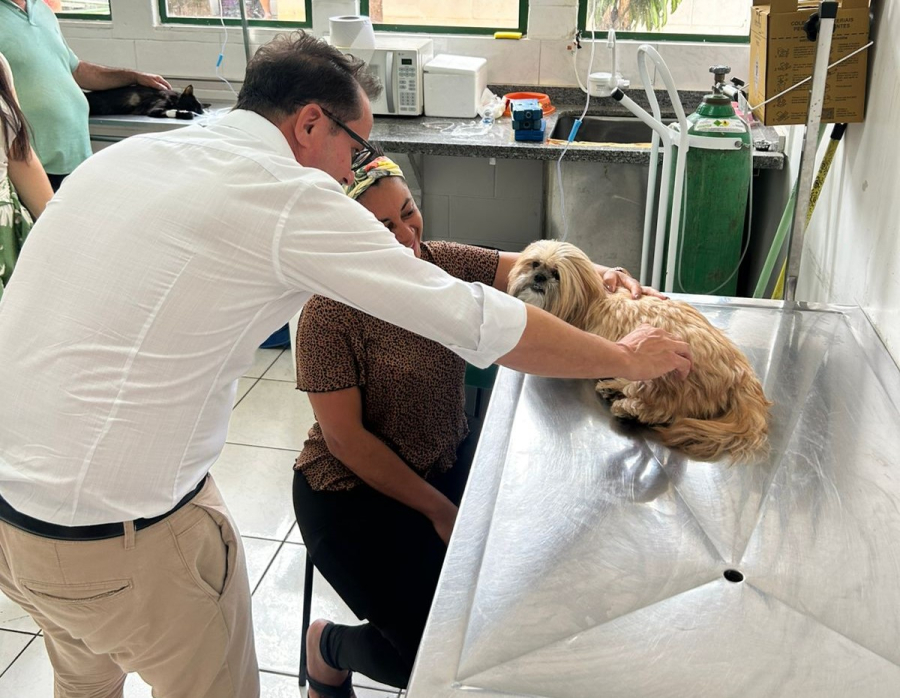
[367, 151]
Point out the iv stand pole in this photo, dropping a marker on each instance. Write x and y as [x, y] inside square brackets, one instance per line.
[827, 14]
[244, 30]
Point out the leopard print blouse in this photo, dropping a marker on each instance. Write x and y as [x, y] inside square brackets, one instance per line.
[413, 390]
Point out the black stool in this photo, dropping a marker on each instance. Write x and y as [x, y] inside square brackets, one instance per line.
[307, 607]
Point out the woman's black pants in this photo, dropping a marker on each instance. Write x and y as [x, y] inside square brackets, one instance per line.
[383, 559]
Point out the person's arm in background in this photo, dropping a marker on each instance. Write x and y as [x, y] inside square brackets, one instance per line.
[31, 183]
[613, 277]
[91, 76]
[27, 175]
[339, 414]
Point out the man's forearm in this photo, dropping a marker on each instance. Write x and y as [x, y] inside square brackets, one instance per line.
[91, 76]
[550, 347]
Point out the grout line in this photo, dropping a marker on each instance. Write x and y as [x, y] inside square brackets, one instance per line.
[264, 539]
[277, 380]
[255, 381]
[269, 566]
[275, 672]
[20, 632]
[267, 368]
[15, 659]
[272, 448]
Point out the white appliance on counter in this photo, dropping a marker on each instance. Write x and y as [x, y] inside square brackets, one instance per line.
[453, 85]
[398, 62]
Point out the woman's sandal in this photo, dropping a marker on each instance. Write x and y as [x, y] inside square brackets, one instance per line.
[345, 690]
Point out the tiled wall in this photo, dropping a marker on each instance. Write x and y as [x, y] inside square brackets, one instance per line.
[480, 201]
[483, 201]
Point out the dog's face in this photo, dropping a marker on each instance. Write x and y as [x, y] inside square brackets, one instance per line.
[557, 277]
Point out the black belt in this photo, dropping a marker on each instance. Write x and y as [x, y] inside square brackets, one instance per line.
[93, 532]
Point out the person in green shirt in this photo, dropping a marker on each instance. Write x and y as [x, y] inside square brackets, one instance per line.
[50, 79]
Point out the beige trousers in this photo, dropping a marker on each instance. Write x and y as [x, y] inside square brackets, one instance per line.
[170, 602]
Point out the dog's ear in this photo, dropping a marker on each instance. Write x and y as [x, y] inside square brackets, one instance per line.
[514, 279]
[580, 287]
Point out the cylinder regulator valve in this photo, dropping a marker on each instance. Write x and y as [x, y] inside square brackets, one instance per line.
[719, 72]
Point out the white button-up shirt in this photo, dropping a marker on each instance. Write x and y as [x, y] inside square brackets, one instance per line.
[145, 288]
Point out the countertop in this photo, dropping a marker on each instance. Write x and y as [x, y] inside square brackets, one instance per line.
[469, 138]
[459, 137]
[589, 560]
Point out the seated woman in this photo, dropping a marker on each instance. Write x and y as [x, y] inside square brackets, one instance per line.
[377, 486]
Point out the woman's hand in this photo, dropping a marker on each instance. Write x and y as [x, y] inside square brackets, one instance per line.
[616, 277]
[444, 520]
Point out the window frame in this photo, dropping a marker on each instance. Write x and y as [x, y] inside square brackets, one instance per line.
[88, 16]
[657, 37]
[164, 19]
[441, 29]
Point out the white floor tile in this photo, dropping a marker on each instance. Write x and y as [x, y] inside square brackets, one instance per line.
[274, 414]
[278, 686]
[31, 675]
[259, 554]
[282, 369]
[244, 385]
[365, 692]
[294, 536]
[10, 646]
[262, 361]
[13, 617]
[278, 608]
[136, 688]
[256, 485]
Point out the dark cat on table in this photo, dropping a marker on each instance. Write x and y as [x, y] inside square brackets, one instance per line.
[145, 101]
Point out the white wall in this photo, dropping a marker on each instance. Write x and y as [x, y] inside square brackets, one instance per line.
[852, 250]
[135, 39]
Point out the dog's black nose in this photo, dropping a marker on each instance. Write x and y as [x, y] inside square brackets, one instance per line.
[540, 278]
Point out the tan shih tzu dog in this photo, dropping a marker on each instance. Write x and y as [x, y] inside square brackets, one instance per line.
[720, 408]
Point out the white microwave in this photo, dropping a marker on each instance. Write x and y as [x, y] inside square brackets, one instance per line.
[398, 62]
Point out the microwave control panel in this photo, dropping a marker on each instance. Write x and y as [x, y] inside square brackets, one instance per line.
[408, 82]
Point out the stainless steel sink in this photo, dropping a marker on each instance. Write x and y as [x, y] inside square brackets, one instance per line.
[604, 129]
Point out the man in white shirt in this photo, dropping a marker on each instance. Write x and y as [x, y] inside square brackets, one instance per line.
[138, 302]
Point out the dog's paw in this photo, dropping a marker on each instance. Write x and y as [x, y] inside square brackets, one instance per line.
[620, 410]
[610, 388]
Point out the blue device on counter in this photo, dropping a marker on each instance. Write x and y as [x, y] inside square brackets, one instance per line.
[527, 121]
[532, 134]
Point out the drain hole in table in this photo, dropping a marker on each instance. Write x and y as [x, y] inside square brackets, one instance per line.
[733, 576]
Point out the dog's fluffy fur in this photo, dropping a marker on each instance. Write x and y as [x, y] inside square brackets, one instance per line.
[720, 408]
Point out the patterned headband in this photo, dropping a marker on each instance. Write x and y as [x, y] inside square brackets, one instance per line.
[369, 174]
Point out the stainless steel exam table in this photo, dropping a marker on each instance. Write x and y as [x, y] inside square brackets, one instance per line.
[590, 561]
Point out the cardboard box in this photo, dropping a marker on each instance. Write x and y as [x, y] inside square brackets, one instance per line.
[781, 55]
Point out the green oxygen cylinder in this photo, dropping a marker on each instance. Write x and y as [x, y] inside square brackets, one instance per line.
[714, 201]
